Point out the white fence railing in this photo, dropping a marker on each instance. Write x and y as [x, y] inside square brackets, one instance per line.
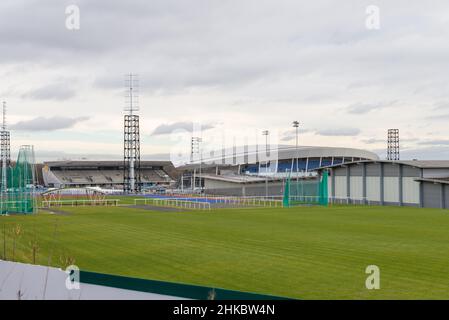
[178, 203]
[353, 201]
[232, 201]
[80, 202]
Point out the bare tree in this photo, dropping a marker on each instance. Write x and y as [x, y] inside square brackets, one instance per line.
[4, 241]
[16, 232]
[66, 260]
[35, 248]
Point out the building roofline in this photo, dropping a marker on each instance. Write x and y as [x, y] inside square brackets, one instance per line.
[424, 164]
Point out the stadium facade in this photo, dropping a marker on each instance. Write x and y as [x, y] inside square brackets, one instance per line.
[281, 159]
[105, 174]
[245, 170]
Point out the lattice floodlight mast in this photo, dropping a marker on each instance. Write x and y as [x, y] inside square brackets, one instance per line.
[194, 148]
[5, 155]
[393, 144]
[131, 151]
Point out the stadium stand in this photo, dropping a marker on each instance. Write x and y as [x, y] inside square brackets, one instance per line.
[106, 174]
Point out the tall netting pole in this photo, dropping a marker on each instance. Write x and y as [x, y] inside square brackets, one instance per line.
[20, 182]
[323, 191]
[286, 197]
[306, 191]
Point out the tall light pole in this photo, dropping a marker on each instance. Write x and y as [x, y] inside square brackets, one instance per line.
[267, 153]
[266, 134]
[195, 148]
[296, 126]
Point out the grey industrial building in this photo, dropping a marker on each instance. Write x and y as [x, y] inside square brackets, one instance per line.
[383, 182]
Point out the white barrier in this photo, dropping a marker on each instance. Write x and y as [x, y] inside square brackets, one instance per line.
[178, 203]
[80, 202]
[350, 201]
[239, 201]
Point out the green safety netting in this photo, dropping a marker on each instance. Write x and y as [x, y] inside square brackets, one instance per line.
[17, 195]
[306, 191]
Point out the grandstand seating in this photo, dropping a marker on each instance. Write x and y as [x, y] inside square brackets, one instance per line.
[284, 166]
[314, 163]
[252, 168]
[103, 173]
[301, 165]
[338, 160]
[326, 162]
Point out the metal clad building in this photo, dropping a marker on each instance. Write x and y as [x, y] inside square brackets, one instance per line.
[383, 182]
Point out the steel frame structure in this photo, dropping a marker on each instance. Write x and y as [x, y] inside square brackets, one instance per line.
[131, 165]
[393, 144]
[131, 138]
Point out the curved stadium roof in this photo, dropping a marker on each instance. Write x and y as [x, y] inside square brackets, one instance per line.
[249, 154]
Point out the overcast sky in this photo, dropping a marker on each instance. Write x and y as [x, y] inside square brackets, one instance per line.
[236, 67]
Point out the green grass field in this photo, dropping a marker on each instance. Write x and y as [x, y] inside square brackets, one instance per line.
[303, 252]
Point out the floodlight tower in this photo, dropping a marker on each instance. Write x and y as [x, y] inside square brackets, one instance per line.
[296, 126]
[195, 149]
[266, 133]
[5, 154]
[131, 148]
[393, 144]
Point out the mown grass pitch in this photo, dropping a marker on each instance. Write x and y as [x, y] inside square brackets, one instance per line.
[303, 252]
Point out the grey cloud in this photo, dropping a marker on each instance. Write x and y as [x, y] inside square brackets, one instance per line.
[339, 132]
[187, 126]
[175, 44]
[291, 134]
[441, 105]
[373, 141]
[363, 108]
[47, 124]
[441, 142]
[312, 56]
[438, 117]
[426, 153]
[61, 91]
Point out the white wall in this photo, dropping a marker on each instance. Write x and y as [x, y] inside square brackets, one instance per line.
[373, 188]
[340, 187]
[410, 190]
[391, 189]
[356, 188]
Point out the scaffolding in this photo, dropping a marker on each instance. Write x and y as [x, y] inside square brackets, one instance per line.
[306, 191]
[18, 194]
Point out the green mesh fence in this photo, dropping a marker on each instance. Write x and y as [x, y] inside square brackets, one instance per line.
[18, 196]
[306, 191]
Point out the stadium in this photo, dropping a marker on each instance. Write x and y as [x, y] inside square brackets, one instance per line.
[302, 198]
[260, 153]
